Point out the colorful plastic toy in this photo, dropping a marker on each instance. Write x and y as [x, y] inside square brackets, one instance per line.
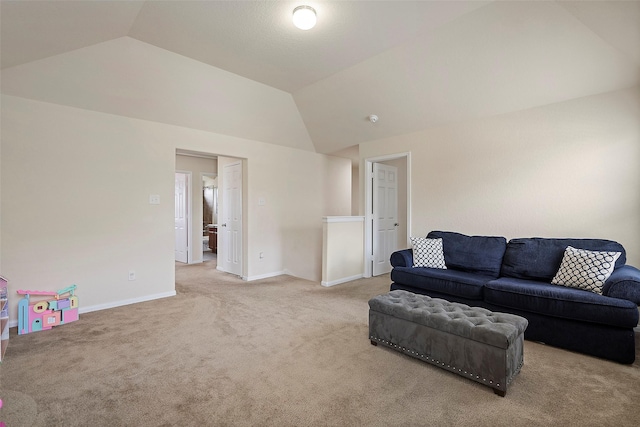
[45, 314]
[4, 317]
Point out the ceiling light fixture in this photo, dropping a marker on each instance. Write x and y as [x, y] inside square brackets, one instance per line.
[304, 17]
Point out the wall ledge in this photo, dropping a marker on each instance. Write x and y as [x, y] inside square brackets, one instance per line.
[343, 219]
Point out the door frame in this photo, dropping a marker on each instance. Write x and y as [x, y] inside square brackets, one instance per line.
[189, 214]
[245, 192]
[202, 175]
[368, 205]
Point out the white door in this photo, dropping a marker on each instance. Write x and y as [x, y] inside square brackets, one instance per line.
[231, 226]
[181, 217]
[385, 216]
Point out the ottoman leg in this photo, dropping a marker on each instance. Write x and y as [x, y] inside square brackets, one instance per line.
[373, 342]
[500, 393]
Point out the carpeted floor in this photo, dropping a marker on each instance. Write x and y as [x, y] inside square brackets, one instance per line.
[281, 352]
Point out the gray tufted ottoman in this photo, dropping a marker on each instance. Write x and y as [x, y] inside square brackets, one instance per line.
[473, 342]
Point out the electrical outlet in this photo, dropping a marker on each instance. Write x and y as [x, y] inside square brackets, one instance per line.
[154, 199]
[132, 275]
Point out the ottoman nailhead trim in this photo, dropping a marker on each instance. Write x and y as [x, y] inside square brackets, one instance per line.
[437, 362]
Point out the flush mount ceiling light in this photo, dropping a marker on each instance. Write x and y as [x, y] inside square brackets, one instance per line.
[304, 17]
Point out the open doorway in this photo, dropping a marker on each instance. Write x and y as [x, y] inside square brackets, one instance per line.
[217, 234]
[209, 217]
[386, 176]
[182, 222]
[198, 166]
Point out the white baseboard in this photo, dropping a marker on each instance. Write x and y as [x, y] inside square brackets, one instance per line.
[264, 276]
[343, 280]
[114, 304]
[258, 277]
[120, 303]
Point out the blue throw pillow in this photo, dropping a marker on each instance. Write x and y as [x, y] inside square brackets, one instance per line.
[538, 258]
[474, 254]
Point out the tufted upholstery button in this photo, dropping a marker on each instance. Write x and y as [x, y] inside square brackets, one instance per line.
[476, 323]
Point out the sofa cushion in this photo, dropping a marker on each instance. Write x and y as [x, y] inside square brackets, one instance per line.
[474, 254]
[539, 258]
[427, 253]
[448, 282]
[586, 270]
[559, 301]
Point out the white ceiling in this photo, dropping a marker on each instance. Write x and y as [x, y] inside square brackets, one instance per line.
[413, 63]
[254, 39]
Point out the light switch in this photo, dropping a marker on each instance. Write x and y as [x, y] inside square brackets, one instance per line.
[154, 199]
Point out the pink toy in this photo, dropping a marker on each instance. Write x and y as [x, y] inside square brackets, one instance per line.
[45, 314]
[23, 292]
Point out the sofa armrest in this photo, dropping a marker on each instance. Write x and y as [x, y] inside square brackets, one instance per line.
[402, 258]
[624, 283]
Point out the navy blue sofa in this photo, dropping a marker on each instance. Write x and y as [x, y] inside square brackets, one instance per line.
[515, 277]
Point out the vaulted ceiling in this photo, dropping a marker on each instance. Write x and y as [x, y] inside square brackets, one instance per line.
[415, 64]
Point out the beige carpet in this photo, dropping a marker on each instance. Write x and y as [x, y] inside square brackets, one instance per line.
[281, 352]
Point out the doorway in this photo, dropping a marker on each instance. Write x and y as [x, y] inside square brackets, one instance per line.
[182, 214]
[209, 217]
[386, 177]
[204, 167]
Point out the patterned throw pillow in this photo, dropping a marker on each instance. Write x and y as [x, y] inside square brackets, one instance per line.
[428, 253]
[586, 270]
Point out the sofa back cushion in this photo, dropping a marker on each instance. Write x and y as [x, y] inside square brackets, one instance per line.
[539, 258]
[475, 254]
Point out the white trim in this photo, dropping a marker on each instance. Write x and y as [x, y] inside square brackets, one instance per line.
[189, 215]
[342, 219]
[200, 154]
[126, 302]
[114, 304]
[263, 276]
[368, 190]
[343, 280]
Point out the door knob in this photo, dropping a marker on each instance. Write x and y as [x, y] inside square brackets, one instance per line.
[396, 224]
[224, 225]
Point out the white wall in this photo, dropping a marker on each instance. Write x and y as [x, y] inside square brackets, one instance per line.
[197, 166]
[130, 78]
[75, 201]
[342, 249]
[355, 190]
[76, 210]
[564, 170]
[295, 188]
